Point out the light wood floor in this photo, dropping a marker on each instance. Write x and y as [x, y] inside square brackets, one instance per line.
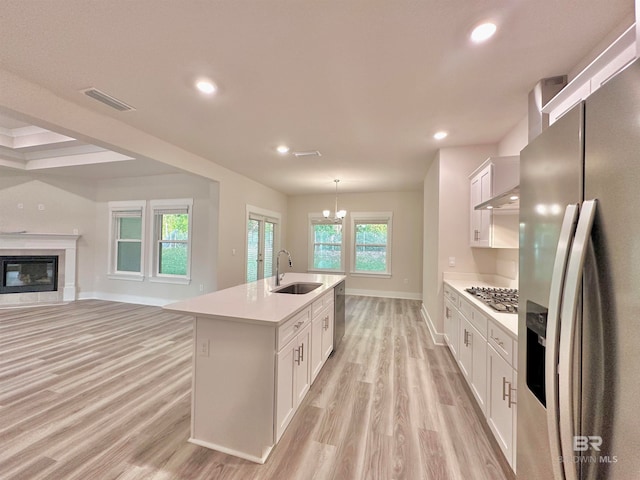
[101, 390]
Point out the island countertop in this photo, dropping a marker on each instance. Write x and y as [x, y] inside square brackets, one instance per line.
[255, 301]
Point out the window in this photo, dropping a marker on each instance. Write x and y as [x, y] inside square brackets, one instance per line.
[262, 239]
[126, 252]
[371, 243]
[171, 250]
[326, 242]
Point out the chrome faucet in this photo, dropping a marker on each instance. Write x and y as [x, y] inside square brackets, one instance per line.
[278, 278]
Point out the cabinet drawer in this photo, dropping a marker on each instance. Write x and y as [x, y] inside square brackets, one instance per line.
[480, 321]
[502, 342]
[475, 317]
[321, 303]
[451, 295]
[291, 327]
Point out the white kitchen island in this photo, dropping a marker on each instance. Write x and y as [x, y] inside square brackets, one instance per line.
[256, 353]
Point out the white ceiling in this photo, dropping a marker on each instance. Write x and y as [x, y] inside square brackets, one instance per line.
[365, 82]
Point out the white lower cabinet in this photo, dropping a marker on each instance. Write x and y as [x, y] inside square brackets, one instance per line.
[327, 333]
[321, 338]
[451, 326]
[250, 377]
[501, 403]
[486, 355]
[293, 377]
[472, 360]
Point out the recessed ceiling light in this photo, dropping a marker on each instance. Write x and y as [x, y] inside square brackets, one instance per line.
[483, 32]
[440, 135]
[205, 86]
[282, 149]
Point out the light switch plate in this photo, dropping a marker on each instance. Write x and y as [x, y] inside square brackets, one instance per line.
[452, 261]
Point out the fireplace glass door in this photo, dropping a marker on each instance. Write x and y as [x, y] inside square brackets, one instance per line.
[22, 274]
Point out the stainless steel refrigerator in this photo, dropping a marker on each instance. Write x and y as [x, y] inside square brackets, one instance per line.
[579, 311]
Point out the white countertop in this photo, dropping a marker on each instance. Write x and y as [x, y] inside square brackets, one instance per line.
[507, 320]
[255, 301]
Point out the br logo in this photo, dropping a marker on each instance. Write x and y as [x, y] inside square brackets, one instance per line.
[582, 443]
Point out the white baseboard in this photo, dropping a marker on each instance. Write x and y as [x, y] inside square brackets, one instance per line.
[438, 338]
[231, 451]
[117, 297]
[384, 294]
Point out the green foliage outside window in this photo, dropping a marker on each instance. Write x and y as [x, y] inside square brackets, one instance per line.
[371, 247]
[172, 253]
[327, 247]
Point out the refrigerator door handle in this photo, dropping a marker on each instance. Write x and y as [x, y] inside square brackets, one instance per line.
[568, 320]
[567, 232]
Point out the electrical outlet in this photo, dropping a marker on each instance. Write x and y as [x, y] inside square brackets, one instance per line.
[202, 287]
[203, 348]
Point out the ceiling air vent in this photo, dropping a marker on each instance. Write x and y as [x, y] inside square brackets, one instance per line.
[314, 153]
[107, 99]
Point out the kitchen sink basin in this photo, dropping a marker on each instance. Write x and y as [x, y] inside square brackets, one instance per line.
[297, 288]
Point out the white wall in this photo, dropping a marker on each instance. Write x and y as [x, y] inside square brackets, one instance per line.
[31, 102]
[515, 139]
[431, 244]
[204, 246]
[406, 254]
[446, 212]
[67, 206]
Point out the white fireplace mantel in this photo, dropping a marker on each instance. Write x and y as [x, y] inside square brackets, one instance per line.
[48, 241]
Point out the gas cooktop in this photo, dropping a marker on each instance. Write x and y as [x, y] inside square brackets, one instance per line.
[503, 300]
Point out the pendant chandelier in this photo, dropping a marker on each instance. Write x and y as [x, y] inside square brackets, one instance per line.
[338, 214]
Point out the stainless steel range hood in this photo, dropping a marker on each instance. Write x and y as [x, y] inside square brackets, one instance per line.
[503, 179]
[507, 200]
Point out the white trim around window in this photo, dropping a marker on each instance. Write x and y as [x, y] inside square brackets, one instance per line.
[318, 219]
[382, 245]
[161, 240]
[122, 240]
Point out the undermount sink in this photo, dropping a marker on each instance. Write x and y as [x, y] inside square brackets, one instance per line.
[297, 288]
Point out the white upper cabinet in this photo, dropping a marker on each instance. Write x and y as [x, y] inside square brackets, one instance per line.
[480, 219]
[497, 228]
[612, 60]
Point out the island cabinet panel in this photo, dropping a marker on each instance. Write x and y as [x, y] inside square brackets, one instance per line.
[233, 398]
[321, 333]
[293, 378]
[255, 351]
[287, 400]
[327, 332]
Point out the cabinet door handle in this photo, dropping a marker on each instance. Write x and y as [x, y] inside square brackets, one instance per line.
[511, 401]
[326, 322]
[504, 388]
[297, 360]
[447, 313]
[301, 353]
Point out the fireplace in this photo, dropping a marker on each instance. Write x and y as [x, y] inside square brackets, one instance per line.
[28, 273]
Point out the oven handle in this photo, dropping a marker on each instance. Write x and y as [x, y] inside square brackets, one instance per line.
[567, 232]
[569, 320]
